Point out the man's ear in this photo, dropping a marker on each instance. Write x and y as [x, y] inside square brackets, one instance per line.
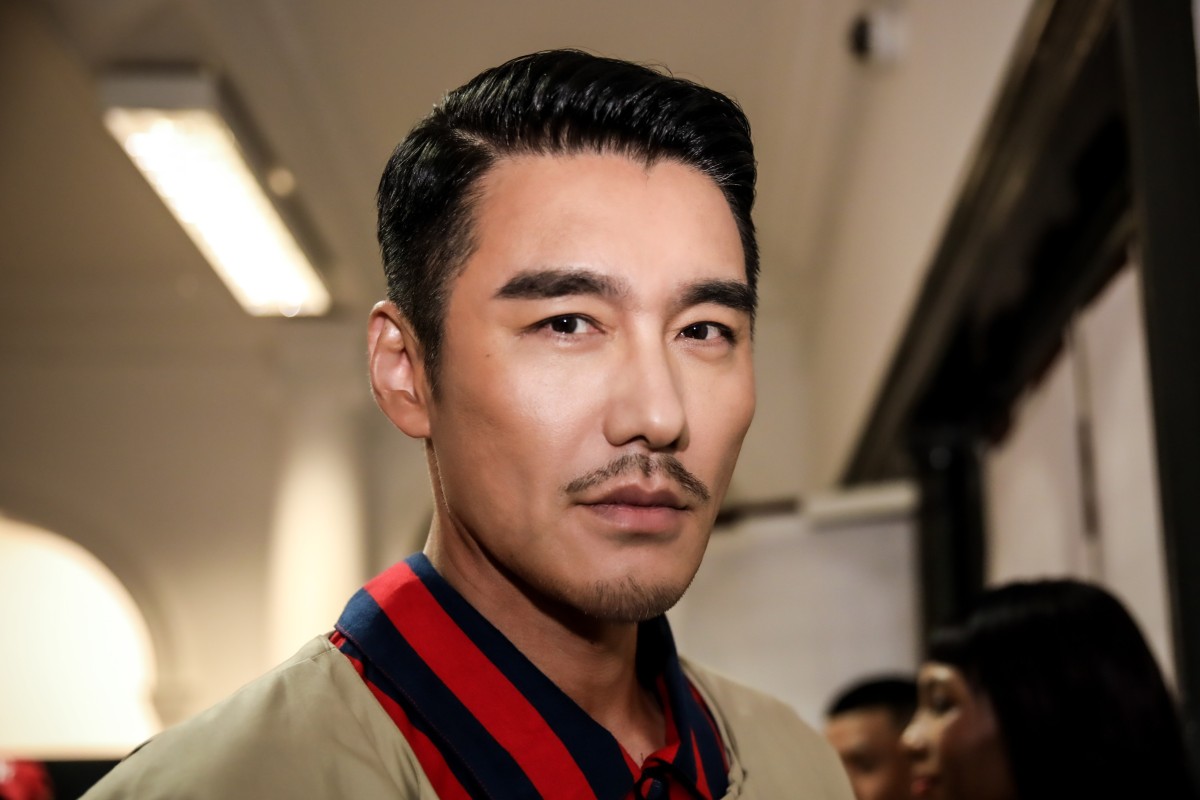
[397, 368]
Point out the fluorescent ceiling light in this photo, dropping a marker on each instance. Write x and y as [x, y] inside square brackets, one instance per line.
[172, 129]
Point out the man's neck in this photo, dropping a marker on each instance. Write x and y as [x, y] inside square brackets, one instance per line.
[593, 662]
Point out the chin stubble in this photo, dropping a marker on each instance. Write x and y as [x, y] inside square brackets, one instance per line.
[628, 600]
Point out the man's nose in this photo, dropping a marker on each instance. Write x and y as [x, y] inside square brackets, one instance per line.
[646, 399]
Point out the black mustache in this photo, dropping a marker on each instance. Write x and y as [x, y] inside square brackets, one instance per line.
[647, 465]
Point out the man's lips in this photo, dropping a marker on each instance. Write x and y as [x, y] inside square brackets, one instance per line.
[638, 509]
[638, 496]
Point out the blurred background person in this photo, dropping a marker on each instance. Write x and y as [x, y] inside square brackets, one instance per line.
[864, 723]
[1047, 690]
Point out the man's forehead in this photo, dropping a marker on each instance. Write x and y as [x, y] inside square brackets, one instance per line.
[601, 224]
[570, 169]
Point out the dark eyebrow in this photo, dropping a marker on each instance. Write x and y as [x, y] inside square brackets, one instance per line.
[731, 294]
[548, 283]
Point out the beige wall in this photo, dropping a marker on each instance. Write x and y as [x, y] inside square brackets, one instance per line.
[1036, 487]
[802, 606]
[911, 133]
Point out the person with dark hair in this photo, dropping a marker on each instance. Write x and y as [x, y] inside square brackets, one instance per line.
[1047, 690]
[572, 283]
[864, 723]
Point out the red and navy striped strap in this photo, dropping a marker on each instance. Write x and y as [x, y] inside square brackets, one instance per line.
[484, 722]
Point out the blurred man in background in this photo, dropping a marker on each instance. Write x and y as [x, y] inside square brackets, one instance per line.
[864, 724]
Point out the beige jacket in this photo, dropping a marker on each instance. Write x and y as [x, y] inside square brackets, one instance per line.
[310, 728]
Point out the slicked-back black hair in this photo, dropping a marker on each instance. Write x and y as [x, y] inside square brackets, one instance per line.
[1082, 706]
[546, 103]
[895, 694]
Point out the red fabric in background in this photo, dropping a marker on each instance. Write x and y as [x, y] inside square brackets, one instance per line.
[24, 780]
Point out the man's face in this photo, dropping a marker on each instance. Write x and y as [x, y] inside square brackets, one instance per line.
[868, 742]
[595, 385]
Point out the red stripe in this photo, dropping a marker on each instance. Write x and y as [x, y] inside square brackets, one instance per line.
[432, 762]
[480, 685]
[701, 778]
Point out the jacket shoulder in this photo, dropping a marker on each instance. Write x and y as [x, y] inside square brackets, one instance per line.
[773, 753]
[308, 728]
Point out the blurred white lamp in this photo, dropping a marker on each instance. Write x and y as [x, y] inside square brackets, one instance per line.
[76, 683]
[173, 128]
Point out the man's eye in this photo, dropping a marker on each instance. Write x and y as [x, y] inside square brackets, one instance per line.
[567, 324]
[706, 330]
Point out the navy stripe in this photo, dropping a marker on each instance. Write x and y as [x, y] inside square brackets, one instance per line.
[483, 767]
[594, 749]
[374, 677]
[690, 717]
[708, 744]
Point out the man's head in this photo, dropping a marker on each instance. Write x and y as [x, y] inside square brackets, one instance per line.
[572, 269]
[864, 724]
[548, 103]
